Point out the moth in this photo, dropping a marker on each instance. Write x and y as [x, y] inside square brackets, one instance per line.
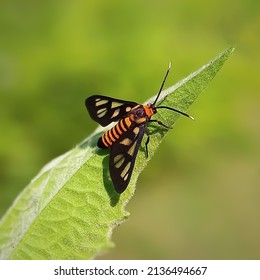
[124, 139]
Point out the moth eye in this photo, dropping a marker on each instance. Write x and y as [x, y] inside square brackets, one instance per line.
[101, 112]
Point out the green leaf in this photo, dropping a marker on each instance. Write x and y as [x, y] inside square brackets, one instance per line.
[70, 208]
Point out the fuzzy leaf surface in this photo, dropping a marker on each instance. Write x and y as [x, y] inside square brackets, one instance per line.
[68, 211]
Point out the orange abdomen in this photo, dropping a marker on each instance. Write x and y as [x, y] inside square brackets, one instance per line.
[110, 137]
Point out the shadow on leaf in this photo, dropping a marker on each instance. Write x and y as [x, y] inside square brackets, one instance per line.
[113, 195]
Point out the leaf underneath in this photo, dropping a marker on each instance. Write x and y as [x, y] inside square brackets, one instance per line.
[70, 208]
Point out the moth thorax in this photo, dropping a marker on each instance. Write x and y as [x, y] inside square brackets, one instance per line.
[150, 110]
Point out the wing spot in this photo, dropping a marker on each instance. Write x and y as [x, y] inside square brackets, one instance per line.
[119, 163]
[128, 109]
[118, 158]
[136, 130]
[101, 112]
[115, 104]
[126, 176]
[116, 113]
[132, 149]
[100, 102]
[125, 171]
[126, 141]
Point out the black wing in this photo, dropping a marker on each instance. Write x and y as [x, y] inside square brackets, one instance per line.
[122, 157]
[105, 110]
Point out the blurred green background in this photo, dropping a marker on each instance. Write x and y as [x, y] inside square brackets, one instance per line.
[199, 196]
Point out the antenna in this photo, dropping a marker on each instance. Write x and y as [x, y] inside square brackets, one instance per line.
[165, 77]
[175, 110]
[165, 107]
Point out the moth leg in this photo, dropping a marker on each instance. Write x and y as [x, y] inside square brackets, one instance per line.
[160, 123]
[146, 146]
[147, 142]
